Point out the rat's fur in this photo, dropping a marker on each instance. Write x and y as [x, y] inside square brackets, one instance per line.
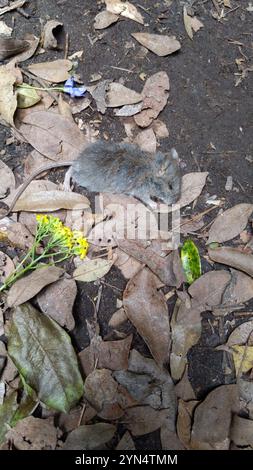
[124, 168]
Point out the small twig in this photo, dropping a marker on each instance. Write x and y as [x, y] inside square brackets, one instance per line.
[22, 12]
[110, 285]
[100, 289]
[123, 70]
[66, 46]
[81, 415]
[40, 82]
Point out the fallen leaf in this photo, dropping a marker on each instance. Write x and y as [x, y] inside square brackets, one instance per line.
[191, 261]
[98, 93]
[241, 334]
[154, 96]
[13, 6]
[242, 431]
[89, 437]
[160, 44]
[243, 358]
[49, 40]
[125, 9]
[212, 417]
[19, 236]
[126, 442]
[232, 257]
[146, 140]
[91, 270]
[191, 23]
[27, 287]
[192, 186]
[33, 434]
[111, 355]
[11, 46]
[27, 97]
[53, 135]
[127, 265]
[57, 302]
[7, 180]
[33, 42]
[69, 421]
[8, 98]
[119, 95]
[140, 420]
[104, 19]
[43, 354]
[146, 308]
[48, 201]
[160, 129]
[230, 223]
[129, 110]
[183, 389]
[239, 290]
[56, 71]
[5, 30]
[184, 421]
[6, 266]
[169, 440]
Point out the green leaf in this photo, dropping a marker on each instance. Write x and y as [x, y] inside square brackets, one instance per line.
[191, 261]
[45, 358]
[7, 410]
[27, 97]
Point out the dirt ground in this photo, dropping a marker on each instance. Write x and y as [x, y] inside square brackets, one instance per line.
[210, 121]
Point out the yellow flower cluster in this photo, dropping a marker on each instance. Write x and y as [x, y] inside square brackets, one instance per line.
[61, 236]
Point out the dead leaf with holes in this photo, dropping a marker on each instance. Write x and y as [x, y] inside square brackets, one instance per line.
[27, 287]
[57, 300]
[126, 9]
[146, 308]
[160, 44]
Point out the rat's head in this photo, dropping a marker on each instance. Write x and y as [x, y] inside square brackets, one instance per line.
[166, 184]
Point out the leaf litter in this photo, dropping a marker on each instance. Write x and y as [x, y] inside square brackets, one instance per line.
[122, 385]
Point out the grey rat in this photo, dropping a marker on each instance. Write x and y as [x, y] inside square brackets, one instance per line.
[120, 168]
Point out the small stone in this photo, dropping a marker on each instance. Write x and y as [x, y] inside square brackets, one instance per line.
[229, 183]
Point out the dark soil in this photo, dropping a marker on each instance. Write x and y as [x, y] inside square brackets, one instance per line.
[209, 119]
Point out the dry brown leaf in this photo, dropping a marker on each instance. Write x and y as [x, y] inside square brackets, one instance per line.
[69, 421]
[128, 110]
[212, 418]
[192, 186]
[19, 236]
[125, 9]
[6, 266]
[48, 201]
[184, 421]
[27, 287]
[34, 186]
[169, 440]
[33, 43]
[146, 140]
[154, 95]
[4, 29]
[101, 354]
[127, 265]
[104, 19]
[89, 437]
[183, 389]
[191, 23]
[92, 269]
[241, 334]
[242, 431]
[7, 180]
[160, 129]
[56, 71]
[49, 40]
[106, 395]
[98, 93]
[232, 257]
[140, 420]
[160, 44]
[11, 46]
[57, 302]
[230, 223]
[119, 95]
[239, 290]
[8, 97]
[126, 442]
[168, 269]
[33, 434]
[118, 318]
[52, 135]
[146, 308]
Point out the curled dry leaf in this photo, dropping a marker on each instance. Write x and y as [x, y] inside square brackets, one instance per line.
[230, 223]
[154, 95]
[27, 287]
[56, 71]
[104, 19]
[48, 201]
[57, 301]
[90, 270]
[101, 354]
[49, 39]
[53, 135]
[146, 308]
[11, 46]
[160, 44]
[192, 186]
[119, 95]
[191, 23]
[8, 98]
[7, 180]
[125, 9]
[33, 434]
[89, 437]
[232, 257]
[212, 418]
[43, 353]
